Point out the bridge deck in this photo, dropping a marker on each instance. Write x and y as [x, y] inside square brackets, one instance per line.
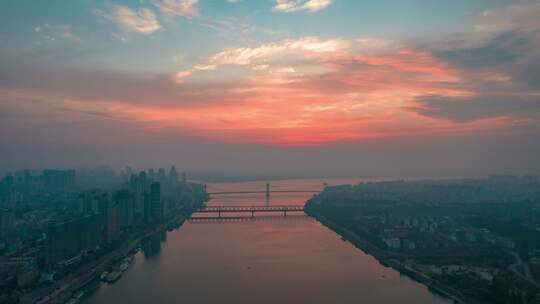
[247, 218]
[275, 208]
[247, 209]
[262, 191]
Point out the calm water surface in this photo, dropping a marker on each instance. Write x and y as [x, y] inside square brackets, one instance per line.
[265, 260]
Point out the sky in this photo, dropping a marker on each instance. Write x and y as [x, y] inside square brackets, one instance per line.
[298, 87]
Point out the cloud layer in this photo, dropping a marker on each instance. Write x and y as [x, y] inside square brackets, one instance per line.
[307, 91]
[143, 21]
[301, 5]
[177, 7]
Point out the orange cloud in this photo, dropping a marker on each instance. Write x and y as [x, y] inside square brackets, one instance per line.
[143, 21]
[302, 5]
[360, 97]
[329, 91]
[177, 7]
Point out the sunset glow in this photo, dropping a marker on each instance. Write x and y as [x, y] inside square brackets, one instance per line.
[188, 68]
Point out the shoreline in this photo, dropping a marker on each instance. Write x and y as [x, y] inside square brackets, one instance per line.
[67, 289]
[386, 260]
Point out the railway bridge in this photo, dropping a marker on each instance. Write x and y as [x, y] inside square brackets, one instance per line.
[248, 211]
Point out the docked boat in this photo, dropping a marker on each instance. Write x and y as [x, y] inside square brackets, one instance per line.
[78, 295]
[113, 276]
[124, 266]
[103, 276]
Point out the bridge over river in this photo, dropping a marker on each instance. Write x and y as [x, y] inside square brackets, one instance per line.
[265, 191]
[249, 210]
[268, 258]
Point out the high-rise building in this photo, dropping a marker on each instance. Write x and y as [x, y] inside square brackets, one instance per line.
[151, 173]
[109, 217]
[124, 201]
[90, 202]
[70, 239]
[173, 176]
[147, 214]
[58, 180]
[139, 187]
[9, 180]
[162, 175]
[56, 239]
[7, 193]
[156, 206]
[89, 232]
[113, 227]
[6, 222]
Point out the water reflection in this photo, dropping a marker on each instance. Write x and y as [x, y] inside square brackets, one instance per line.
[151, 245]
[265, 259]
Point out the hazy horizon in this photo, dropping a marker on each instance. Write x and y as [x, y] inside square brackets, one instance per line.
[291, 88]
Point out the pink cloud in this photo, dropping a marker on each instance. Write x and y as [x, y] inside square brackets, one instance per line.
[301, 5]
[300, 92]
[143, 21]
[177, 7]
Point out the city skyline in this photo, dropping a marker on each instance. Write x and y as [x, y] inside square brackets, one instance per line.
[416, 88]
[276, 151]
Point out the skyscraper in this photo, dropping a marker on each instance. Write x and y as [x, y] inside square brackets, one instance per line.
[151, 173]
[6, 221]
[173, 176]
[162, 175]
[113, 227]
[58, 179]
[139, 188]
[69, 239]
[90, 202]
[156, 208]
[124, 201]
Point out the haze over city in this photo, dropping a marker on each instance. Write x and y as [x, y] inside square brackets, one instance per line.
[270, 151]
[299, 88]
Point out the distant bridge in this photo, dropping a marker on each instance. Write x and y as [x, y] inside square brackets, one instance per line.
[247, 218]
[250, 210]
[266, 192]
[255, 192]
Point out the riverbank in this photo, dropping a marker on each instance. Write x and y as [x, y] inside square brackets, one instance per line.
[386, 259]
[64, 289]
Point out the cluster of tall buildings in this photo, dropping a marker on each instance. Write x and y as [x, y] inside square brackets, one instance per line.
[154, 194]
[60, 222]
[26, 188]
[6, 221]
[69, 240]
[54, 220]
[147, 198]
[58, 180]
[21, 186]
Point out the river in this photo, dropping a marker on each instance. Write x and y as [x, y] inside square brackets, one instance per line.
[270, 259]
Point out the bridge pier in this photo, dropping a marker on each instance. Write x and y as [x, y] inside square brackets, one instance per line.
[267, 190]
